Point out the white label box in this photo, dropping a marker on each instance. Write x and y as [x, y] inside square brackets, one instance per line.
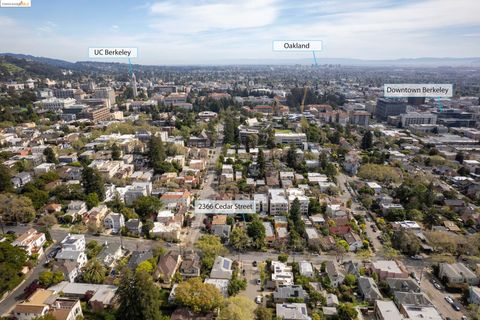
[297, 45]
[224, 206]
[418, 90]
[112, 52]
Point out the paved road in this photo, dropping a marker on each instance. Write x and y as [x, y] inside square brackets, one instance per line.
[58, 234]
[17, 295]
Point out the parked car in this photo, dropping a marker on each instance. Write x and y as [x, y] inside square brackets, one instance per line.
[254, 263]
[258, 299]
[436, 284]
[449, 299]
[455, 306]
[259, 282]
[417, 257]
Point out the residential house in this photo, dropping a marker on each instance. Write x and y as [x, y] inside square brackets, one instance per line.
[402, 285]
[354, 241]
[387, 269]
[70, 269]
[138, 257]
[21, 179]
[191, 265]
[43, 302]
[281, 274]
[167, 266]
[31, 241]
[334, 275]
[292, 311]
[368, 289]
[313, 238]
[285, 293]
[76, 209]
[101, 296]
[114, 222]
[387, 310]
[134, 226]
[457, 273]
[110, 253]
[269, 233]
[43, 168]
[182, 197]
[306, 269]
[221, 284]
[222, 268]
[222, 231]
[474, 295]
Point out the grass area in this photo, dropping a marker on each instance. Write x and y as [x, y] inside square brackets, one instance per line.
[10, 67]
[283, 131]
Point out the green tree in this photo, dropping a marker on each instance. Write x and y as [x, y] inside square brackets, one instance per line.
[237, 308]
[14, 208]
[198, 296]
[261, 163]
[138, 297]
[283, 257]
[346, 311]
[239, 239]
[48, 278]
[256, 232]
[93, 249]
[211, 247]
[367, 140]
[50, 156]
[406, 242]
[93, 182]
[92, 200]
[12, 259]
[292, 160]
[116, 152]
[94, 272]
[350, 280]
[145, 266]
[156, 153]
[5, 179]
[263, 313]
[147, 205]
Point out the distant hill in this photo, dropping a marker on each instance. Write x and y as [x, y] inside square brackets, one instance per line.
[12, 68]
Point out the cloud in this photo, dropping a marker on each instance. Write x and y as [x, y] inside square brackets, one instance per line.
[213, 16]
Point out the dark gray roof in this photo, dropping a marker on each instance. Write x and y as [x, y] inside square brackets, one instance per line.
[368, 288]
[403, 285]
[138, 257]
[290, 291]
[411, 298]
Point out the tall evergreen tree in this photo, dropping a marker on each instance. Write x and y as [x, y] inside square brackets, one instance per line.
[5, 179]
[93, 182]
[116, 153]
[367, 140]
[261, 163]
[50, 156]
[156, 153]
[138, 297]
[292, 157]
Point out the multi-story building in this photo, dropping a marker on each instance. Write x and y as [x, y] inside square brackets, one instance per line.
[290, 137]
[455, 118]
[31, 241]
[278, 203]
[55, 103]
[412, 118]
[389, 107]
[105, 93]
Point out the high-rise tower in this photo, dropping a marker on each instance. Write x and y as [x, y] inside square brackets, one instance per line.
[134, 84]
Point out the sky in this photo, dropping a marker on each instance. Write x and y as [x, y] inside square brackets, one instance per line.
[212, 31]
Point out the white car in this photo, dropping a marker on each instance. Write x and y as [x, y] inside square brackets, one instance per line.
[449, 299]
[258, 299]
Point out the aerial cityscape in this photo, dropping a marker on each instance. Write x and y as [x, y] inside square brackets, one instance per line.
[179, 160]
